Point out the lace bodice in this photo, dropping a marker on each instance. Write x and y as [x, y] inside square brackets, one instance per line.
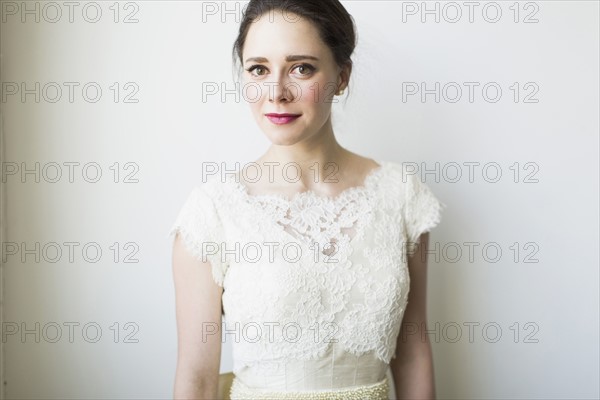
[314, 287]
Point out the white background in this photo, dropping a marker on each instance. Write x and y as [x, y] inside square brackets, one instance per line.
[547, 311]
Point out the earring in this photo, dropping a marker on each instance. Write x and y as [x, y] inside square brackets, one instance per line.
[341, 92]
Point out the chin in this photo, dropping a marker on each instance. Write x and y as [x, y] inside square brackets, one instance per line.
[279, 141]
[283, 138]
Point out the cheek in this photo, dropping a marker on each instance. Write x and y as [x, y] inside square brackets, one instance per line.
[254, 108]
[254, 93]
[316, 94]
[326, 91]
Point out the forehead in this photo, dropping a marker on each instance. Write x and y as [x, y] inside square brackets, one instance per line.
[278, 34]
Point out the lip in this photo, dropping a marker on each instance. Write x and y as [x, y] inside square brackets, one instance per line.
[281, 119]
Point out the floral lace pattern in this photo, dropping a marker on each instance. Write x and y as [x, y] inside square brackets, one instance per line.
[342, 288]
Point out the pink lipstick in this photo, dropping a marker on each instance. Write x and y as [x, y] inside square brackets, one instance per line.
[281, 119]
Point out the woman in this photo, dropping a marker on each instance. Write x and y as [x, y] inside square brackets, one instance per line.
[323, 320]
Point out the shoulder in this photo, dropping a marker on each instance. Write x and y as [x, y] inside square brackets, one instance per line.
[203, 200]
[404, 190]
[405, 177]
[398, 177]
[212, 188]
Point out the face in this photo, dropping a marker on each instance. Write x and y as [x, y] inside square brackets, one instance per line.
[289, 70]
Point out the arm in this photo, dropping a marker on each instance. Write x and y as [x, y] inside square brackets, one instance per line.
[198, 303]
[412, 368]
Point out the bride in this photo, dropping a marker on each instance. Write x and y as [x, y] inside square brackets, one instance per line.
[302, 326]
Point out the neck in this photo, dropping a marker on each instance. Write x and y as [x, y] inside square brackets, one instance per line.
[321, 153]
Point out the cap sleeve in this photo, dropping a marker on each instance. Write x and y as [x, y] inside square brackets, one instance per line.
[422, 210]
[200, 227]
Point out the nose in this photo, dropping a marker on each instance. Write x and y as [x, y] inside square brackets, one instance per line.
[279, 90]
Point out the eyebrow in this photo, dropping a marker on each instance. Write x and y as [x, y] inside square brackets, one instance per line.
[287, 58]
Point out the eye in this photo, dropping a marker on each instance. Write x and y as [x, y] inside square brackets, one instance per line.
[305, 67]
[252, 68]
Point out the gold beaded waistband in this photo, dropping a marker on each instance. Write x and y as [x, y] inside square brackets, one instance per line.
[377, 391]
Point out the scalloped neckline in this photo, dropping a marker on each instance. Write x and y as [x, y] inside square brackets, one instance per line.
[367, 183]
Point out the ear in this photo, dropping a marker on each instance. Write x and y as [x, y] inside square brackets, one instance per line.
[344, 76]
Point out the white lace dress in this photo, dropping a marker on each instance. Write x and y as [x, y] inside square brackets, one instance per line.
[314, 288]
